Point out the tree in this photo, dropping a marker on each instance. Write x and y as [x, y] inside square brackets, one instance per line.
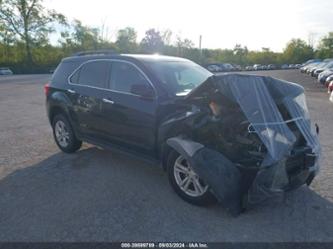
[297, 51]
[325, 48]
[126, 40]
[183, 45]
[152, 42]
[7, 39]
[28, 20]
[240, 53]
[166, 36]
[81, 38]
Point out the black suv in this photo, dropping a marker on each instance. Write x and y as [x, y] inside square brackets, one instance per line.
[118, 102]
[235, 138]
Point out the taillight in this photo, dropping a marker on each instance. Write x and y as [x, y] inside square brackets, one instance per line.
[46, 89]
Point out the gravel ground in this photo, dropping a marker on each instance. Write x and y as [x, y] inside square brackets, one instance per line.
[98, 195]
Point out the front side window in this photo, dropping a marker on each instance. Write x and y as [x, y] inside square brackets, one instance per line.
[124, 76]
[94, 73]
[180, 77]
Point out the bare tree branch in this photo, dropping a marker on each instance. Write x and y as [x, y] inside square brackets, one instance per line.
[12, 23]
[31, 7]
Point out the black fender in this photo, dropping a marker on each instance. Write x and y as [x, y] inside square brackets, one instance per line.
[60, 102]
[223, 177]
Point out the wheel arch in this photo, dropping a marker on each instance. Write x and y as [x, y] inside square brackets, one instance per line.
[186, 148]
[164, 153]
[59, 103]
[55, 110]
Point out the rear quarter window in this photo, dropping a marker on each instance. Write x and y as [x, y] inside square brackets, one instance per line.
[63, 71]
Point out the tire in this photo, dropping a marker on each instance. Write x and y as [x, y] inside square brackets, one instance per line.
[64, 135]
[205, 198]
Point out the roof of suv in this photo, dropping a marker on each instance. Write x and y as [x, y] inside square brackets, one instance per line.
[139, 57]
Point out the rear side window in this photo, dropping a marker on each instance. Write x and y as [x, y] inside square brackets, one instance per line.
[124, 76]
[63, 71]
[94, 73]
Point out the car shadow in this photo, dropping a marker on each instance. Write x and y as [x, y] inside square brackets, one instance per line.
[97, 195]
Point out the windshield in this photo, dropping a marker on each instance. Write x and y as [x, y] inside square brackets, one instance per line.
[179, 76]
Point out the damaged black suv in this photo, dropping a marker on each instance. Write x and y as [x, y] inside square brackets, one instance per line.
[238, 139]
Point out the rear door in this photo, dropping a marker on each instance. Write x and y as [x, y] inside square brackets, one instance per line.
[129, 119]
[88, 87]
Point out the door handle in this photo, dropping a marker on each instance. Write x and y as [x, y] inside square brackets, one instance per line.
[108, 101]
[71, 91]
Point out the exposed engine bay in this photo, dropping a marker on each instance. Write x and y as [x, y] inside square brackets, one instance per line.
[248, 137]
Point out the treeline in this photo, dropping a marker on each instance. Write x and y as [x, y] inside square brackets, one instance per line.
[25, 28]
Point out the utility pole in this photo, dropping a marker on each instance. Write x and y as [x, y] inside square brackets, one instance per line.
[200, 48]
[200, 39]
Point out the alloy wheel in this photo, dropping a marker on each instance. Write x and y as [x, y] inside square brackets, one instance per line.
[187, 180]
[61, 133]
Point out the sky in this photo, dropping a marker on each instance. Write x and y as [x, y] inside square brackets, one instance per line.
[222, 24]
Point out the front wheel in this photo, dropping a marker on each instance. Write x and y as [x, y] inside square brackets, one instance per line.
[186, 183]
[64, 135]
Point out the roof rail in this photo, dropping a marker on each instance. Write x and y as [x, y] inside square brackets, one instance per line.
[95, 52]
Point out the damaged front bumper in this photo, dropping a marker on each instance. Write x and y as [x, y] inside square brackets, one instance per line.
[238, 186]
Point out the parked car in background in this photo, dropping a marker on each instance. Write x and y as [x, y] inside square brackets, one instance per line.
[305, 67]
[220, 67]
[228, 67]
[322, 77]
[213, 68]
[315, 67]
[328, 65]
[310, 61]
[237, 67]
[249, 68]
[285, 66]
[271, 67]
[309, 67]
[322, 70]
[5, 71]
[257, 67]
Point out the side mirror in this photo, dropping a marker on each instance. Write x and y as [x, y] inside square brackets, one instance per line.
[142, 90]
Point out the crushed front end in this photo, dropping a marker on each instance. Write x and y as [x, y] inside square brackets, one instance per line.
[248, 137]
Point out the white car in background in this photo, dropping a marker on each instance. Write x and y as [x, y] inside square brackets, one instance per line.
[213, 68]
[257, 67]
[5, 71]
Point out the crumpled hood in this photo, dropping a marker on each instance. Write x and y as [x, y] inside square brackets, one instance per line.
[259, 97]
[278, 89]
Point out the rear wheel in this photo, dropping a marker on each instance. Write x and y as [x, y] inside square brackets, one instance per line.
[186, 183]
[64, 135]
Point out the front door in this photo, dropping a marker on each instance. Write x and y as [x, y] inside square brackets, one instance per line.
[128, 118]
